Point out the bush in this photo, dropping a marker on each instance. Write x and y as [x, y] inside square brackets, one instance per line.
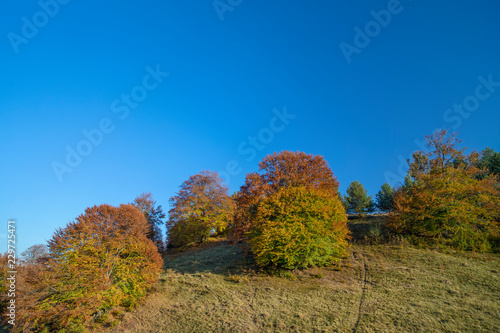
[297, 227]
[450, 208]
[101, 260]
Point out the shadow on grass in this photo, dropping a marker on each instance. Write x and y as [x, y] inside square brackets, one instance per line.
[221, 257]
[368, 230]
[217, 257]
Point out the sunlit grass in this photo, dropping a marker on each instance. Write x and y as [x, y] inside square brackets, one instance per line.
[385, 286]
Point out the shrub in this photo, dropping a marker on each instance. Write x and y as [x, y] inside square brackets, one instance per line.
[101, 260]
[297, 227]
[447, 202]
[451, 208]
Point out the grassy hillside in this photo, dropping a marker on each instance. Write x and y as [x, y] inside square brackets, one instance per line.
[384, 286]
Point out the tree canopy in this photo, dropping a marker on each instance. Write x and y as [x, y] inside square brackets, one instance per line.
[357, 199]
[278, 171]
[297, 227]
[385, 198]
[154, 215]
[201, 208]
[489, 160]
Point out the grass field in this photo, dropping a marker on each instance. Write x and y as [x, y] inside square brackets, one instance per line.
[385, 285]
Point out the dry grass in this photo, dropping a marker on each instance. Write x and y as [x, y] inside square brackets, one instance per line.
[385, 286]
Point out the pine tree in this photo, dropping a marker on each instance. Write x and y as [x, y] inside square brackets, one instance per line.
[385, 198]
[358, 200]
[489, 160]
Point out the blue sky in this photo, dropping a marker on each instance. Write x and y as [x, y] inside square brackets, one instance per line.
[360, 83]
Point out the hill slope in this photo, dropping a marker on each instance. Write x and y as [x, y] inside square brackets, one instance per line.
[380, 288]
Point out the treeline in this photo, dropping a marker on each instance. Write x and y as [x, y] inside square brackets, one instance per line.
[449, 198]
[290, 214]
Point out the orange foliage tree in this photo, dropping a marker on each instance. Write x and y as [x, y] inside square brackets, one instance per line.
[449, 200]
[202, 208]
[280, 170]
[101, 260]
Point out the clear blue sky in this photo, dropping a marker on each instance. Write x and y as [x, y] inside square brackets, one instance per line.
[359, 99]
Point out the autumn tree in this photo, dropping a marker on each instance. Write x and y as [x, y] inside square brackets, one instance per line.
[357, 199]
[202, 208]
[298, 227]
[447, 202]
[101, 260]
[385, 198]
[278, 171]
[36, 254]
[154, 215]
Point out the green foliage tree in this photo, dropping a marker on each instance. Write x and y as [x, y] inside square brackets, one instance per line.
[489, 160]
[448, 203]
[298, 227]
[202, 208]
[385, 198]
[101, 260]
[408, 183]
[358, 200]
[343, 200]
[154, 215]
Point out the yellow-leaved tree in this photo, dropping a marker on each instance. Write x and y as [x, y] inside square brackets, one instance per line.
[291, 212]
[202, 208]
[297, 227]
